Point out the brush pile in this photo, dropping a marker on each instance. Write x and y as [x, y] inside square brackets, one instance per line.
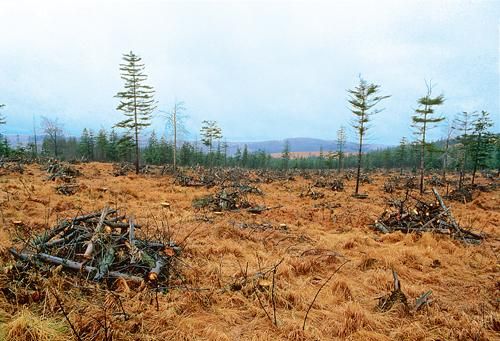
[8, 167]
[435, 181]
[67, 189]
[313, 194]
[61, 170]
[467, 193]
[185, 180]
[122, 169]
[389, 186]
[336, 185]
[226, 199]
[99, 246]
[365, 179]
[420, 216]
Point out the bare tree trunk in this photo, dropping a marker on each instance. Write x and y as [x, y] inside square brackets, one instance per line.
[175, 136]
[359, 159]
[136, 132]
[34, 135]
[476, 158]
[445, 159]
[422, 154]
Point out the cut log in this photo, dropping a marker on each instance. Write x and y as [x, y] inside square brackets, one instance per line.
[424, 299]
[98, 230]
[48, 235]
[69, 264]
[155, 272]
[381, 227]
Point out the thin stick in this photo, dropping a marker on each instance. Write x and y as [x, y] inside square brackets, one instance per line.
[262, 306]
[317, 293]
[59, 303]
[273, 299]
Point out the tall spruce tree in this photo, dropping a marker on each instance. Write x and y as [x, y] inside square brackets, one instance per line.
[83, 145]
[210, 132]
[483, 142]
[463, 123]
[423, 121]
[101, 145]
[401, 153]
[136, 100]
[363, 98]
[112, 148]
[244, 156]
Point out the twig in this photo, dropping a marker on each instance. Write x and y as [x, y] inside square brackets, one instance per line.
[273, 299]
[317, 293]
[262, 306]
[59, 303]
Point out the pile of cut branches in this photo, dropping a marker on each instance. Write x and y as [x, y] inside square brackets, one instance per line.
[415, 215]
[313, 194]
[61, 170]
[336, 185]
[466, 193]
[8, 167]
[123, 168]
[101, 245]
[226, 199]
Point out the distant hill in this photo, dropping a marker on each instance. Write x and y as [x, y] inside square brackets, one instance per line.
[303, 145]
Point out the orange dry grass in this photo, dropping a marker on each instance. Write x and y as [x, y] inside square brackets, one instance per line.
[218, 254]
[26, 326]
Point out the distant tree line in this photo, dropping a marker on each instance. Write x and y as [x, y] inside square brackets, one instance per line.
[468, 146]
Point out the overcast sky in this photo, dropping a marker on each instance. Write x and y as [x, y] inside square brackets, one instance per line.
[262, 69]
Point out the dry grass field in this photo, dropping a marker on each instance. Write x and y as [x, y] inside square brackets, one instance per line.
[224, 288]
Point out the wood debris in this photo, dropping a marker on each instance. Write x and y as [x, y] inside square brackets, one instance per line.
[101, 245]
[387, 302]
[419, 216]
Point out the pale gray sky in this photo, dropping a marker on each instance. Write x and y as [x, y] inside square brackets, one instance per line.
[262, 69]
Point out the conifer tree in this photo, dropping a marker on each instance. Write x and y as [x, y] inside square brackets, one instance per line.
[423, 121]
[463, 123]
[244, 156]
[285, 155]
[136, 100]
[363, 98]
[401, 153]
[341, 140]
[321, 158]
[483, 142]
[112, 148]
[210, 132]
[101, 145]
[83, 144]
[237, 156]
